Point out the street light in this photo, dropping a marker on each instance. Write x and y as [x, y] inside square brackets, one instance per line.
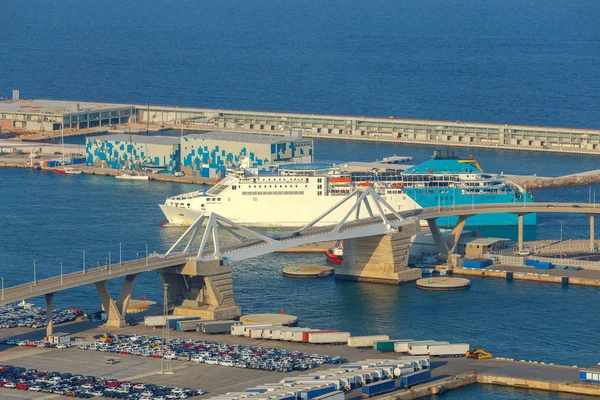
[146, 255]
[109, 271]
[1, 277]
[61, 277]
[561, 226]
[34, 280]
[84, 261]
[121, 253]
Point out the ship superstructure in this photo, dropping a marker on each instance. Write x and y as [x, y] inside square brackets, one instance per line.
[289, 195]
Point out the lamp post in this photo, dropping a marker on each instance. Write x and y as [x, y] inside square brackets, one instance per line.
[1, 277]
[561, 226]
[146, 255]
[34, 280]
[109, 269]
[84, 261]
[121, 253]
[61, 275]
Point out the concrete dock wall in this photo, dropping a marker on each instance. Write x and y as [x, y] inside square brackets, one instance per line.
[565, 387]
[407, 131]
[528, 276]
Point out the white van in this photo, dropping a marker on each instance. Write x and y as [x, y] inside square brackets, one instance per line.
[524, 252]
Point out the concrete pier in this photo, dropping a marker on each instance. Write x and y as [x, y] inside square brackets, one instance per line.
[201, 289]
[116, 309]
[49, 314]
[381, 259]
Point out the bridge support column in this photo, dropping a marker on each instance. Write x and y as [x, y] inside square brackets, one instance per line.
[49, 306]
[201, 289]
[440, 242]
[592, 239]
[520, 219]
[116, 310]
[381, 259]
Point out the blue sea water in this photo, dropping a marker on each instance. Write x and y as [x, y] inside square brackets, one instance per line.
[517, 62]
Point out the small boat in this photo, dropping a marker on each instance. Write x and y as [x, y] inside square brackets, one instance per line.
[68, 170]
[126, 175]
[426, 270]
[335, 255]
[364, 184]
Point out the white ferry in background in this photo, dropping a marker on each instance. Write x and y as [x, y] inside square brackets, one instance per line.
[289, 195]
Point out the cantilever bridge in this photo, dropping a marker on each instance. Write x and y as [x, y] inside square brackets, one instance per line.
[381, 220]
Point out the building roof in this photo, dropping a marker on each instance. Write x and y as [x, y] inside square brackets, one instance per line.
[243, 137]
[483, 241]
[125, 137]
[56, 107]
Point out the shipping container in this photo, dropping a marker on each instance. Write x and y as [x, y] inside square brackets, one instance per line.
[543, 265]
[241, 330]
[257, 390]
[590, 375]
[305, 334]
[288, 334]
[388, 345]
[365, 341]
[530, 263]
[159, 320]
[256, 333]
[172, 322]
[335, 395]
[273, 333]
[328, 381]
[423, 361]
[215, 327]
[415, 378]
[378, 388]
[479, 263]
[187, 324]
[448, 350]
[328, 337]
[402, 347]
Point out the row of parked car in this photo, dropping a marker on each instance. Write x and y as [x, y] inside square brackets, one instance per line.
[13, 377]
[27, 315]
[200, 351]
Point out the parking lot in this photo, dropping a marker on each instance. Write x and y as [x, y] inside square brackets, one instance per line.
[213, 379]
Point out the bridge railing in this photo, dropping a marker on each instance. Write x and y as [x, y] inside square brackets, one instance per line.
[56, 283]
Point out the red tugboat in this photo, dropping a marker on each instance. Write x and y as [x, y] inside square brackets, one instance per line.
[335, 255]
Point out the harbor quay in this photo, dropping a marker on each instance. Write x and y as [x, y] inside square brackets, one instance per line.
[52, 115]
[447, 373]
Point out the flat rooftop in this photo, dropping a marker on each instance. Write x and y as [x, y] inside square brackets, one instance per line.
[243, 137]
[482, 241]
[55, 107]
[125, 137]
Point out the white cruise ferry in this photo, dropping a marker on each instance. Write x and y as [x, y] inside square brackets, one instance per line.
[289, 195]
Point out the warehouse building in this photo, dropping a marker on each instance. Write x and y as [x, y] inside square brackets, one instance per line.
[206, 155]
[209, 154]
[50, 115]
[134, 152]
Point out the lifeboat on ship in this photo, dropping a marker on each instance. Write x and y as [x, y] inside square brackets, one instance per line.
[340, 180]
[363, 184]
[335, 255]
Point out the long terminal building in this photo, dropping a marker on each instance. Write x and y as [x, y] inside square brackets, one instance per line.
[48, 115]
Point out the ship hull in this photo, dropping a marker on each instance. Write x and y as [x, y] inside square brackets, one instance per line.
[453, 197]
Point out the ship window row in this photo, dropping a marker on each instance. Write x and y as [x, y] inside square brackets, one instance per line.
[272, 186]
[210, 199]
[278, 193]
